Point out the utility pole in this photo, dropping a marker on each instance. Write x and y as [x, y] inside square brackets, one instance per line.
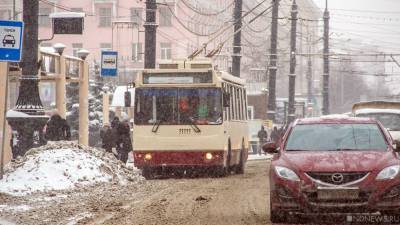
[292, 73]
[150, 35]
[29, 126]
[14, 12]
[325, 90]
[309, 69]
[237, 45]
[273, 59]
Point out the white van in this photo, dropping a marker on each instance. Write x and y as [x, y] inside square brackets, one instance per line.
[388, 113]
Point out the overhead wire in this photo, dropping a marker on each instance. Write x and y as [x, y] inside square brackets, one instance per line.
[189, 6]
[239, 30]
[221, 31]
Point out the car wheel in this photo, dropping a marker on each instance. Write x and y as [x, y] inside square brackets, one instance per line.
[277, 216]
[219, 171]
[240, 167]
[148, 173]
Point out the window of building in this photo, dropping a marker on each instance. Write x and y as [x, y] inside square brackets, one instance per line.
[44, 19]
[105, 17]
[165, 50]
[137, 52]
[165, 17]
[75, 48]
[105, 46]
[77, 9]
[136, 15]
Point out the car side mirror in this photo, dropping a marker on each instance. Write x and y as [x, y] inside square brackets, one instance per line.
[270, 148]
[226, 99]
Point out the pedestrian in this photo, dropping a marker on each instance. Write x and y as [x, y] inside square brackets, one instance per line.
[115, 123]
[107, 137]
[262, 137]
[275, 134]
[57, 128]
[124, 140]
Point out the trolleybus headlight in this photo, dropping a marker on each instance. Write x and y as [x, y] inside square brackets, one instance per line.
[147, 157]
[209, 156]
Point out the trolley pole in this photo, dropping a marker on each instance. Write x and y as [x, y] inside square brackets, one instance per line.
[237, 45]
[292, 73]
[273, 62]
[325, 90]
[150, 35]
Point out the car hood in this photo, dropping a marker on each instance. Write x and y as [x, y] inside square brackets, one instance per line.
[345, 161]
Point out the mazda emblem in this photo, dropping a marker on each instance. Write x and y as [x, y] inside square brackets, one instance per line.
[337, 178]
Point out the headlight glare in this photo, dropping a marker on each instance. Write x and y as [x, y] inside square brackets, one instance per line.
[388, 173]
[286, 173]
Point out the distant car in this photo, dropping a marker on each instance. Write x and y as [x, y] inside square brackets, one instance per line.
[330, 166]
[8, 40]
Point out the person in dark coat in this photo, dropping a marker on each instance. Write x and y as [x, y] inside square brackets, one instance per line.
[275, 135]
[262, 137]
[124, 144]
[115, 123]
[57, 128]
[107, 137]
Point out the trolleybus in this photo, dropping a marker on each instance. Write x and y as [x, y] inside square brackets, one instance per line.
[189, 116]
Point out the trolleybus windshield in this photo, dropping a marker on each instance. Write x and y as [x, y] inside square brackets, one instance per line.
[178, 106]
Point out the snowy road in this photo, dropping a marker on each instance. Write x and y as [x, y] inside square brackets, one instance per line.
[237, 199]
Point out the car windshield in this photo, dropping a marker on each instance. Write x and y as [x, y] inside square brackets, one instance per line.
[325, 137]
[173, 106]
[389, 120]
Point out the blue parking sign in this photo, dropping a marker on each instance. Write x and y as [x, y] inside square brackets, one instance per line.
[109, 63]
[11, 40]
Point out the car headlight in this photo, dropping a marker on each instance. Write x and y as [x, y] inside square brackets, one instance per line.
[286, 173]
[388, 173]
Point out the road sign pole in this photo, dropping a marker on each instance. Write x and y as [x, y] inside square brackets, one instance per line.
[4, 72]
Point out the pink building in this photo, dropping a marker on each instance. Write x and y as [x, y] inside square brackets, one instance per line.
[118, 25]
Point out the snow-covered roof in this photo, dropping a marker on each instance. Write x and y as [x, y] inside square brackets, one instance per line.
[119, 96]
[17, 114]
[67, 15]
[375, 110]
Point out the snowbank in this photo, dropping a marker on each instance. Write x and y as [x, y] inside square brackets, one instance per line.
[63, 165]
[259, 157]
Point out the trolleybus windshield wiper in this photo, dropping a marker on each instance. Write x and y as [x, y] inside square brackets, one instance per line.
[194, 125]
[156, 125]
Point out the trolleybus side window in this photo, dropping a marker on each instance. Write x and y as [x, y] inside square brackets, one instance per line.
[225, 109]
[240, 101]
[245, 104]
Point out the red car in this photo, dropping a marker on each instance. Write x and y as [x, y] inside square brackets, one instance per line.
[334, 165]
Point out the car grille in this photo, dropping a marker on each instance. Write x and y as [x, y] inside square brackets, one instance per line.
[347, 177]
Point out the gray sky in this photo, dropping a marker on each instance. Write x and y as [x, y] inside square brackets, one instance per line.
[375, 22]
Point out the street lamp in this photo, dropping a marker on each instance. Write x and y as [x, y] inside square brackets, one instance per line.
[30, 121]
[59, 47]
[83, 53]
